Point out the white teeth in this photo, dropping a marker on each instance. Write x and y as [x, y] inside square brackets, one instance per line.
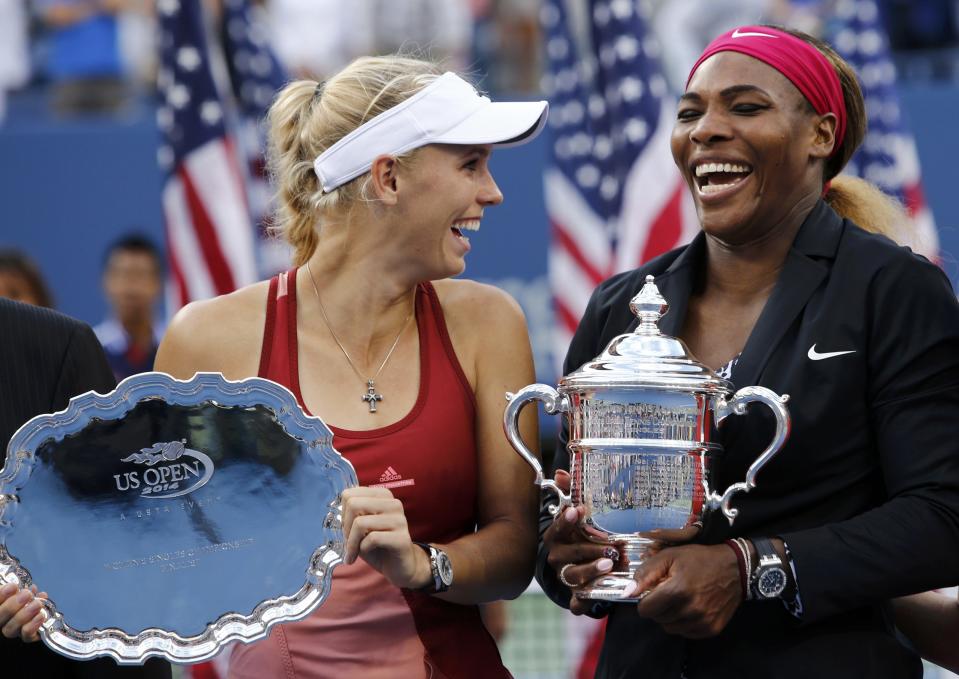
[708, 168]
[715, 188]
[468, 225]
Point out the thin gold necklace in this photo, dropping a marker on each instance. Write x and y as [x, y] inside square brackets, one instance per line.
[371, 397]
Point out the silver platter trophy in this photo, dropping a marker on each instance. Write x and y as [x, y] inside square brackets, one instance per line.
[168, 518]
[641, 419]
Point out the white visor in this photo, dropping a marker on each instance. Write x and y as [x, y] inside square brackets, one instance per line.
[447, 111]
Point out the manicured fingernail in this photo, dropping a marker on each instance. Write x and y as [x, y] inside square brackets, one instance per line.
[604, 565]
[571, 515]
[8, 589]
[629, 590]
[33, 606]
[24, 596]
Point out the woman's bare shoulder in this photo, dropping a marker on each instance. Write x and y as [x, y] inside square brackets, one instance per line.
[223, 334]
[478, 314]
[476, 302]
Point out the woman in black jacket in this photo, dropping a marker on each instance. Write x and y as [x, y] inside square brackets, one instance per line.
[786, 291]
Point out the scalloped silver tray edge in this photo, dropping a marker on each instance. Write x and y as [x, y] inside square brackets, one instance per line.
[135, 649]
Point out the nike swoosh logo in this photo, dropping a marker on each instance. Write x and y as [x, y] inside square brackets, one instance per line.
[746, 34]
[816, 356]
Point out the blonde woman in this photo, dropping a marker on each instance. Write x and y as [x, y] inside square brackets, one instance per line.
[382, 173]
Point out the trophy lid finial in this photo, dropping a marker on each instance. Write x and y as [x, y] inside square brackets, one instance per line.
[647, 358]
[649, 306]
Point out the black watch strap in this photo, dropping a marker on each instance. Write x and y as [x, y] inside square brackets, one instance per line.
[764, 546]
[440, 569]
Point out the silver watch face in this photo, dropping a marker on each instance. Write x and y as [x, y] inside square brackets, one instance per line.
[445, 568]
[771, 582]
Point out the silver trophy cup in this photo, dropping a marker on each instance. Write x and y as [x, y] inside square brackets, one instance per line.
[641, 417]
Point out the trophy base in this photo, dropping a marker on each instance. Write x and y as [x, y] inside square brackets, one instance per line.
[610, 588]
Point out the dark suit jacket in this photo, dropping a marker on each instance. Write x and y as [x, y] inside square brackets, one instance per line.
[866, 491]
[45, 359]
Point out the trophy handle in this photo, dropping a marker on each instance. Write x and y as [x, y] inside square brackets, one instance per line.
[553, 402]
[737, 406]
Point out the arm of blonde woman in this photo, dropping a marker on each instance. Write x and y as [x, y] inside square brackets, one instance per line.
[931, 621]
[497, 561]
[20, 614]
[489, 336]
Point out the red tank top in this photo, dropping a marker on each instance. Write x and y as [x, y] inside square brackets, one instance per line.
[428, 461]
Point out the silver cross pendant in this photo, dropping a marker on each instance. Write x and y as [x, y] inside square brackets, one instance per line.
[371, 396]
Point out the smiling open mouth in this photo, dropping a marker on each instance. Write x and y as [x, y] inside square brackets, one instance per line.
[465, 225]
[715, 177]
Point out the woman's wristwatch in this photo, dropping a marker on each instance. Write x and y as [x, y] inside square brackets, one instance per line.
[440, 567]
[769, 579]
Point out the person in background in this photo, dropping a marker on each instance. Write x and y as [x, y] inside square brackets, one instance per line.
[84, 60]
[21, 280]
[133, 283]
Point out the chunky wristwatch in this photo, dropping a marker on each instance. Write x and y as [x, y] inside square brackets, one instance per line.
[769, 579]
[440, 567]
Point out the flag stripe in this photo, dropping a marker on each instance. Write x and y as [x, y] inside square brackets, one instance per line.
[562, 239]
[206, 236]
[214, 172]
[183, 244]
[570, 284]
[666, 229]
[567, 318]
[579, 222]
[613, 194]
[209, 230]
[651, 221]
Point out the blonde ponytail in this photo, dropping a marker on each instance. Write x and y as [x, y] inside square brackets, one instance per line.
[291, 166]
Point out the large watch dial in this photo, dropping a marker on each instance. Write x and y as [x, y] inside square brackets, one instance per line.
[771, 582]
[445, 568]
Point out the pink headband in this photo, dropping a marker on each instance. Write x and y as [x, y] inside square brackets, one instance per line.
[805, 66]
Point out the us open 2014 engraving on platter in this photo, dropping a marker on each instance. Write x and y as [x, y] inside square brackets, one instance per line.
[167, 473]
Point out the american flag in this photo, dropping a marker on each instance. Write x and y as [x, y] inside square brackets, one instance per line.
[614, 197]
[888, 156]
[210, 237]
[255, 76]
